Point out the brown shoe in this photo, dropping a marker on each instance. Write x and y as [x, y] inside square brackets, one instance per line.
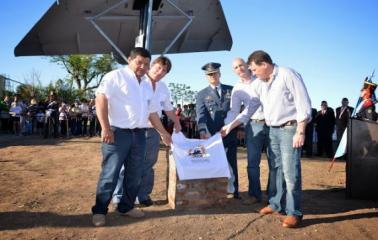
[266, 210]
[291, 222]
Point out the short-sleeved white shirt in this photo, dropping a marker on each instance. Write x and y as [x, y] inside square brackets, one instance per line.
[129, 102]
[162, 96]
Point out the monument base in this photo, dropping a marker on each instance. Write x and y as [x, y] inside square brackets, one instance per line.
[194, 193]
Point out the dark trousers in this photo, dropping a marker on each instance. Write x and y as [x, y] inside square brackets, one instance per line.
[51, 126]
[308, 144]
[92, 127]
[230, 145]
[325, 144]
[63, 127]
[84, 126]
[339, 133]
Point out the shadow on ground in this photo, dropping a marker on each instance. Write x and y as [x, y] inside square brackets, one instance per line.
[335, 204]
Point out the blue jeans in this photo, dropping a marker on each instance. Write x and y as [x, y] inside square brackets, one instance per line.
[148, 175]
[128, 150]
[285, 169]
[257, 138]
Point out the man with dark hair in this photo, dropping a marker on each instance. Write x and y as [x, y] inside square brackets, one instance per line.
[159, 68]
[287, 109]
[212, 105]
[124, 104]
[343, 114]
[325, 126]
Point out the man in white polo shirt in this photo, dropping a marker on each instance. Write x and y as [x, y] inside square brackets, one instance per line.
[124, 104]
[287, 109]
[159, 68]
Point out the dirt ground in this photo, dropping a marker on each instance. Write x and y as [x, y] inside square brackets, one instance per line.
[47, 188]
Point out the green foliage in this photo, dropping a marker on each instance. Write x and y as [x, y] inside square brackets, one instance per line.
[85, 71]
[181, 93]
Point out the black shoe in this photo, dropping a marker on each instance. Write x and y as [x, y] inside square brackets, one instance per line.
[146, 203]
[237, 196]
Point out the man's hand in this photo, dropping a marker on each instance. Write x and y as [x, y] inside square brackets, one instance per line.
[177, 127]
[298, 139]
[204, 135]
[225, 130]
[107, 136]
[299, 136]
[166, 137]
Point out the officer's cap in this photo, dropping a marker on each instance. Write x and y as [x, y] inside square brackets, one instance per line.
[211, 67]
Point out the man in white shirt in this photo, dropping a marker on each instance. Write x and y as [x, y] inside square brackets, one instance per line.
[255, 130]
[287, 109]
[124, 104]
[159, 68]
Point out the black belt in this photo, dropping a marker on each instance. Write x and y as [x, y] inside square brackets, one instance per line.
[288, 123]
[130, 129]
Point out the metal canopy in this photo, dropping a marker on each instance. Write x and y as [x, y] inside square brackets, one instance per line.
[69, 27]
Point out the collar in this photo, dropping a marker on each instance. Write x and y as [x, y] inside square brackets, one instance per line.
[131, 73]
[217, 86]
[247, 81]
[274, 73]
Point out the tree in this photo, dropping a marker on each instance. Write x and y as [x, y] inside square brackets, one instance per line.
[33, 83]
[181, 92]
[86, 71]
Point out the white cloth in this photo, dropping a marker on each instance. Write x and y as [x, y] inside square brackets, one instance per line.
[163, 97]
[284, 98]
[129, 102]
[241, 94]
[199, 158]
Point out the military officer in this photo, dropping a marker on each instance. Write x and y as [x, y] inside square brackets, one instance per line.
[212, 105]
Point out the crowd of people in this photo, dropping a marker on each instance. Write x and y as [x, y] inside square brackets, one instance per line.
[60, 119]
[49, 118]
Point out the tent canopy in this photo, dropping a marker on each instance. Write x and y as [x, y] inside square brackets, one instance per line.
[66, 28]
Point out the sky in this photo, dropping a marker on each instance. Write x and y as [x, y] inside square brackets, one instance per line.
[333, 44]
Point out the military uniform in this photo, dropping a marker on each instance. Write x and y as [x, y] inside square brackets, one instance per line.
[211, 110]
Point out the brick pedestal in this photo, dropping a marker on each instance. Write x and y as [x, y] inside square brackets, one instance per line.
[194, 193]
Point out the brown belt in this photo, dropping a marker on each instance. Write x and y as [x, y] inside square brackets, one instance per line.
[288, 123]
[258, 121]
